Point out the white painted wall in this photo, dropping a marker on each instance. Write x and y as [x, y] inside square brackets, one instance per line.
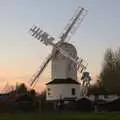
[61, 91]
[59, 69]
[102, 97]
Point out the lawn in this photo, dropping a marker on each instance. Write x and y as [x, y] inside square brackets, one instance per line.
[62, 116]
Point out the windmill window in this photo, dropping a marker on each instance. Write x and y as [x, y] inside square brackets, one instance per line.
[49, 91]
[105, 96]
[73, 91]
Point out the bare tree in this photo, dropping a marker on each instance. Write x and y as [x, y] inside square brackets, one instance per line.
[110, 74]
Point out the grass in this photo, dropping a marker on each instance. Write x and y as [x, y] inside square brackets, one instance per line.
[61, 116]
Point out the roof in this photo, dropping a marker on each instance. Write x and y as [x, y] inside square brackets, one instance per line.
[67, 46]
[63, 81]
[101, 92]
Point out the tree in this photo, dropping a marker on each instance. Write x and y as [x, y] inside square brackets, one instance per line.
[26, 101]
[110, 74]
[96, 88]
[21, 89]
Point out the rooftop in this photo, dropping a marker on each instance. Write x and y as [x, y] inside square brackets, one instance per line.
[63, 81]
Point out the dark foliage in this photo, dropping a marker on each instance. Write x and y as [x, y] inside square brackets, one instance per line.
[113, 105]
[19, 100]
[26, 103]
[84, 105]
[110, 74]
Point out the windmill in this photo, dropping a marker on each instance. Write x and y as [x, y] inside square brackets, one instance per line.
[65, 62]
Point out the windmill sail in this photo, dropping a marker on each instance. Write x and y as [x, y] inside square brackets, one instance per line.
[36, 75]
[46, 39]
[75, 21]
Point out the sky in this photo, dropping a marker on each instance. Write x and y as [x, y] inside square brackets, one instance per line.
[21, 55]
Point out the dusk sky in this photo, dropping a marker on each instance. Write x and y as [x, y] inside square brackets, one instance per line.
[21, 55]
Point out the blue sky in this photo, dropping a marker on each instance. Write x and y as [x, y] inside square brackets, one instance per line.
[21, 55]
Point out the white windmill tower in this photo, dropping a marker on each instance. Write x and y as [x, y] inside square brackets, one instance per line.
[64, 59]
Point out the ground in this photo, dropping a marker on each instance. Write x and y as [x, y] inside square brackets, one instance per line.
[61, 116]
